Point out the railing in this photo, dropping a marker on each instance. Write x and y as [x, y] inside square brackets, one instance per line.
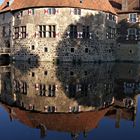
[4, 50]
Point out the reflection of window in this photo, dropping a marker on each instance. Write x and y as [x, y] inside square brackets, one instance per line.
[72, 50]
[51, 109]
[111, 33]
[16, 32]
[47, 31]
[51, 91]
[86, 50]
[24, 88]
[133, 17]
[51, 11]
[85, 31]
[77, 11]
[75, 109]
[23, 31]
[3, 31]
[73, 31]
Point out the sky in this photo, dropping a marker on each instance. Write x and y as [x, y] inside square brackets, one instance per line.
[1, 1]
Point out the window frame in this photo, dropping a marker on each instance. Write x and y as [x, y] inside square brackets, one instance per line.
[133, 17]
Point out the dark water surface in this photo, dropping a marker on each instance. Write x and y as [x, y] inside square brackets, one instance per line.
[69, 102]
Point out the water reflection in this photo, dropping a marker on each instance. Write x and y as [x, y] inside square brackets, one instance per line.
[69, 98]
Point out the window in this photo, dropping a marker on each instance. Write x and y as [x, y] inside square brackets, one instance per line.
[51, 11]
[33, 47]
[111, 17]
[33, 74]
[73, 31]
[85, 32]
[31, 11]
[133, 17]
[45, 49]
[45, 72]
[52, 31]
[72, 50]
[77, 11]
[47, 31]
[20, 14]
[42, 31]
[23, 31]
[3, 31]
[16, 32]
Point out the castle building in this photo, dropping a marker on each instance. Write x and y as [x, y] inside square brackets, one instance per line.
[66, 30]
[128, 38]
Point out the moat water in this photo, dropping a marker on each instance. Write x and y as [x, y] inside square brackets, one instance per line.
[69, 102]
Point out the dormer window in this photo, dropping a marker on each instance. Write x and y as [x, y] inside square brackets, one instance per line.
[133, 17]
[77, 11]
[51, 11]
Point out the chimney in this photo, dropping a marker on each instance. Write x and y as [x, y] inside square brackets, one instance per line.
[124, 5]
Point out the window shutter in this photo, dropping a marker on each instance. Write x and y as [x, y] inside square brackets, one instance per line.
[107, 16]
[71, 11]
[36, 34]
[20, 35]
[27, 34]
[13, 36]
[46, 11]
[57, 34]
[18, 15]
[57, 11]
[29, 12]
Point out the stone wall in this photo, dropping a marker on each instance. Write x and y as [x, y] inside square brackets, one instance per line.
[128, 52]
[5, 34]
[127, 48]
[96, 47]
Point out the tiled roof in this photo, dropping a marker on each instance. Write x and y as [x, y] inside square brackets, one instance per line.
[102, 5]
[4, 4]
[133, 6]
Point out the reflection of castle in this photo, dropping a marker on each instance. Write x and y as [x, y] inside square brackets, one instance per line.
[63, 88]
[80, 95]
[68, 88]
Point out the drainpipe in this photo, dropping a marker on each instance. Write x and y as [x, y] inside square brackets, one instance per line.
[12, 33]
